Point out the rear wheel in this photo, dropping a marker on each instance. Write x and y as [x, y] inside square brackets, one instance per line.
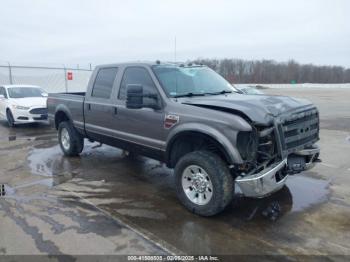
[10, 118]
[204, 184]
[71, 142]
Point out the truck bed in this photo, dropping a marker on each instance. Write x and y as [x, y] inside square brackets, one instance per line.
[72, 103]
[69, 94]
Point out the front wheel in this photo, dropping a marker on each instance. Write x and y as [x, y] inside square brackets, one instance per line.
[71, 142]
[204, 184]
[10, 118]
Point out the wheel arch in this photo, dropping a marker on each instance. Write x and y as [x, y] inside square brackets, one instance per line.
[62, 114]
[8, 109]
[188, 138]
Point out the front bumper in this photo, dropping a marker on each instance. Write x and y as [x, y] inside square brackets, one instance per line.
[264, 182]
[273, 178]
[24, 116]
[310, 156]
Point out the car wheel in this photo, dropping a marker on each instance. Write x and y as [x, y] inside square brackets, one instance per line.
[204, 184]
[10, 118]
[71, 142]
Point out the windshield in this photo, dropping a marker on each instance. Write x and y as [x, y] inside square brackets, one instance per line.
[192, 80]
[22, 92]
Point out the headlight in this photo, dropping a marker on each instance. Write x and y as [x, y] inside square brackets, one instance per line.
[21, 107]
[247, 145]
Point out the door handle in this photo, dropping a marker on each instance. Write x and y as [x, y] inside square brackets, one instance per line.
[115, 110]
[88, 106]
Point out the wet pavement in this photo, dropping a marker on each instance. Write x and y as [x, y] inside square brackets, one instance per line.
[105, 202]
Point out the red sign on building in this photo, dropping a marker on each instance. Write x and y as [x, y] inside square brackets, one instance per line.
[69, 75]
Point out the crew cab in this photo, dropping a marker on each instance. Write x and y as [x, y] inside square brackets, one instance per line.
[192, 119]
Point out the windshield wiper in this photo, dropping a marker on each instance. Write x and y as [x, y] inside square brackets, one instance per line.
[220, 92]
[190, 94]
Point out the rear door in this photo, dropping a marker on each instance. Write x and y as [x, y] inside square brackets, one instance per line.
[99, 108]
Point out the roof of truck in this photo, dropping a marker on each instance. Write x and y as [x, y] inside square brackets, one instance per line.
[135, 62]
[145, 63]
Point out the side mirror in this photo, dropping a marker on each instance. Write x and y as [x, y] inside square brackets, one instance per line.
[2, 96]
[152, 101]
[134, 96]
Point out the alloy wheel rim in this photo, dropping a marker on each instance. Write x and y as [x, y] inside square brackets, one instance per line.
[197, 185]
[65, 139]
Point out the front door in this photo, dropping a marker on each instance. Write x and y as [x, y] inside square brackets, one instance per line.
[142, 126]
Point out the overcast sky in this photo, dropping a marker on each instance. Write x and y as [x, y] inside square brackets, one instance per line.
[102, 31]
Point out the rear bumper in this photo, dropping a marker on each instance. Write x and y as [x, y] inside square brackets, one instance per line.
[273, 178]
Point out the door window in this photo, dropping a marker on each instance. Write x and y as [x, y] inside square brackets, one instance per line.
[104, 83]
[139, 76]
[3, 92]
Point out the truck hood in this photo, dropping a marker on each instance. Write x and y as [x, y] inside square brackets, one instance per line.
[260, 109]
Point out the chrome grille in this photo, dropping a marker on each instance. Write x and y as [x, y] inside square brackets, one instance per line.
[299, 130]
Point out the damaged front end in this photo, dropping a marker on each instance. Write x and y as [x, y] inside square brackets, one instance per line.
[272, 153]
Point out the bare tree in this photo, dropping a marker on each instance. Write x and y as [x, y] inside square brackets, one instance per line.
[270, 71]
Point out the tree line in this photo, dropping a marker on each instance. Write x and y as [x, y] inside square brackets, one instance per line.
[270, 71]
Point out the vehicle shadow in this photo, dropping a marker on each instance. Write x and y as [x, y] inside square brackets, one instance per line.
[270, 208]
[23, 131]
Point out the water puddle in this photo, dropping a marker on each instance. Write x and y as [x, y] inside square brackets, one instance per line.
[26, 132]
[50, 162]
[28, 138]
[12, 138]
[141, 213]
[299, 194]
[47, 160]
[307, 192]
[348, 139]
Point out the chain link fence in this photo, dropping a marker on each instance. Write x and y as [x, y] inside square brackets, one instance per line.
[51, 79]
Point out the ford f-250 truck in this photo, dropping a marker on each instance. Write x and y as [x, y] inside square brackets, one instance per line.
[192, 119]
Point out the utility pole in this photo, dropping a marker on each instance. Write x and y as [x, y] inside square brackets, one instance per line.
[65, 78]
[10, 74]
[175, 50]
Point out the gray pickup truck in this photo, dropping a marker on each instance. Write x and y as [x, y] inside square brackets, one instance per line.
[192, 119]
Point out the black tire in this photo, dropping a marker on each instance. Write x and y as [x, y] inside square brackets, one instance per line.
[75, 144]
[220, 177]
[10, 118]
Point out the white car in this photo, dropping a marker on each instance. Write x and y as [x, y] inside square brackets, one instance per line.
[21, 104]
